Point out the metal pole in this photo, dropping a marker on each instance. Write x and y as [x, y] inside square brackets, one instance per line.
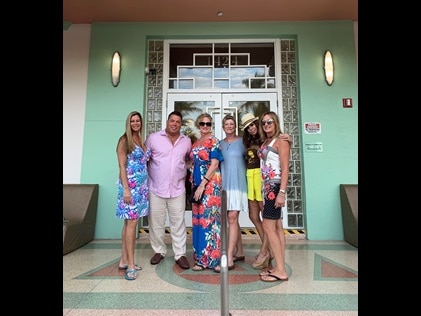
[224, 259]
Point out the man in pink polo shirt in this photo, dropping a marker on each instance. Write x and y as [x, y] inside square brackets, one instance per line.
[167, 170]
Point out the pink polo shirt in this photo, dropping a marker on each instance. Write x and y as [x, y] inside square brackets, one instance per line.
[167, 165]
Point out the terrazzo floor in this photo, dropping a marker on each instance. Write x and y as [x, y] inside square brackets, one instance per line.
[323, 280]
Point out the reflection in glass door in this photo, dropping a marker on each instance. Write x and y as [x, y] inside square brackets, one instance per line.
[218, 105]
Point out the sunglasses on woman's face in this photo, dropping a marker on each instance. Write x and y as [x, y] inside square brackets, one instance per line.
[205, 123]
[268, 122]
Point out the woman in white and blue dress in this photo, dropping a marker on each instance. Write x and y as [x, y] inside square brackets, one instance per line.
[234, 182]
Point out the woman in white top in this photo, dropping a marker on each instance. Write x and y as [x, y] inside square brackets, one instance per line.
[274, 154]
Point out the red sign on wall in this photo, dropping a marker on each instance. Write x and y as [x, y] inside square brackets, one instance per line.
[312, 128]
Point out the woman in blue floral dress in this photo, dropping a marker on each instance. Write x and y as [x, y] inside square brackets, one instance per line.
[206, 215]
[132, 190]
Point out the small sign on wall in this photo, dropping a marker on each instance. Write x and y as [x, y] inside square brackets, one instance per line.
[312, 128]
[314, 147]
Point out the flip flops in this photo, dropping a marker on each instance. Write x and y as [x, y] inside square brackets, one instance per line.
[271, 278]
[264, 273]
[136, 267]
[239, 258]
[217, 269]
[131, 275]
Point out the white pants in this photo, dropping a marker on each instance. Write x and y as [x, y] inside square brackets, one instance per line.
[157, 216]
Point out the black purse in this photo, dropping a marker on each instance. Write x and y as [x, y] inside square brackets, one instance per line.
[193, 191]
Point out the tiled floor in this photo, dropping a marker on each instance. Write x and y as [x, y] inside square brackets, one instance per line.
[323, 280]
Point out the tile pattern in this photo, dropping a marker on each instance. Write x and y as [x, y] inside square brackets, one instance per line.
[323, 280]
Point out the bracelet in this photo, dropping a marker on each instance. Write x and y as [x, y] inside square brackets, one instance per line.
[205, 178]
[282, 191]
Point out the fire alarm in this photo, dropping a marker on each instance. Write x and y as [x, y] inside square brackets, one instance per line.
[347, 103]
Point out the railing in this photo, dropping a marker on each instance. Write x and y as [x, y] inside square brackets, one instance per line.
[224, 260]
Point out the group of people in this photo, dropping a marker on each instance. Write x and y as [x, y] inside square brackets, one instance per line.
[253, 170]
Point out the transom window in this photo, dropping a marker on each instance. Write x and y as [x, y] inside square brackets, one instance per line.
[222, 66]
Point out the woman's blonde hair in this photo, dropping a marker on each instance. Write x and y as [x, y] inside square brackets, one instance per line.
[127, 137]
[200, 117]
[275, 119]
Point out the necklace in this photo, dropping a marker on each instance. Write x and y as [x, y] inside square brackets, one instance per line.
[230, 140]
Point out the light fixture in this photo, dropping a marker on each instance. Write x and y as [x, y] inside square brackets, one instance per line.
[150, 71]
[328, 67]
[115, 69]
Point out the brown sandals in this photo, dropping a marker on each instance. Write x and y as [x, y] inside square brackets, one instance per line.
[197, 267]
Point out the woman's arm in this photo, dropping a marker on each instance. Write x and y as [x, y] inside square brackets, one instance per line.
[287, 137]
[283, 147]
[122, 159]
[210, 172]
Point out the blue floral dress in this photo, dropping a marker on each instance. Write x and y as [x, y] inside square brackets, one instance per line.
[137, 177]
[206, 216]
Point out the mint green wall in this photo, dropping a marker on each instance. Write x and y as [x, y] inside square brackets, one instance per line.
[323, 172]
[338, 163]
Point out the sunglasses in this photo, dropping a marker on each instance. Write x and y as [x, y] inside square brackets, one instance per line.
[205, 123]
[250, 125]
[268, 122]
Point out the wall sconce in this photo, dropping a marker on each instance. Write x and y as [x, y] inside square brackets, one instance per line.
[150, 71]
[115, 69]
[328, 67]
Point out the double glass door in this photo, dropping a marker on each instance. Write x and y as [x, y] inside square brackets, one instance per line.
[218, 105]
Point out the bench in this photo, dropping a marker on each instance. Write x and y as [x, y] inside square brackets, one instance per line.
[80, 202]
[349, 204]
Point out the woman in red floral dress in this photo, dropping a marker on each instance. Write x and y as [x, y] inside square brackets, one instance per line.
[206, 215]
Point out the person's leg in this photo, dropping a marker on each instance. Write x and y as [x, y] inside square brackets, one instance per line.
[157, 217]
[280, 232]
[263, 258]
[130, 240]
[233, 232]
[260, 204]
[273, 229]
[254, 216]
[255, 208]
[123, 259]
[255, 200]
[239, 251]
[176, 212]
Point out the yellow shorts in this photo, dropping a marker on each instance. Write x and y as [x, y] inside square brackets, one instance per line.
[254, 184]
